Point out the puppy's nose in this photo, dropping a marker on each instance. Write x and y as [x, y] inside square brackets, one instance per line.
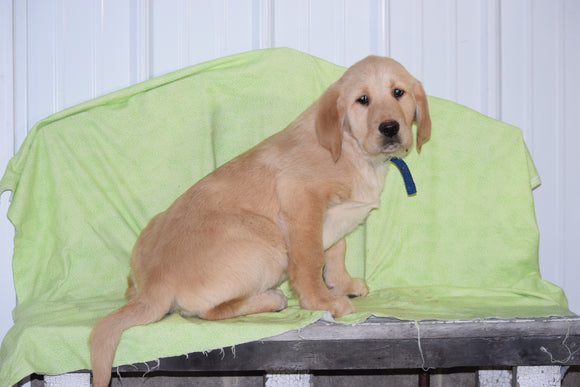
[389, 128]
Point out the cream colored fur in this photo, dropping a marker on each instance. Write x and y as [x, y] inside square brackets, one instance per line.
[282, 208]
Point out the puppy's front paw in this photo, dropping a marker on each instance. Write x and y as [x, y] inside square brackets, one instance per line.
[356, 287]
[341, 306]
[337, 306]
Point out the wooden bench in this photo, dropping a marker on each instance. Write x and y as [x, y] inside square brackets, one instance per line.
[537, 349]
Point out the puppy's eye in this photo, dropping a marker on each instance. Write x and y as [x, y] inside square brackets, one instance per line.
[364, 100]
[398, 93]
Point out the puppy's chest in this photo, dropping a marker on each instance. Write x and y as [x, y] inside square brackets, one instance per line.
[343, 216]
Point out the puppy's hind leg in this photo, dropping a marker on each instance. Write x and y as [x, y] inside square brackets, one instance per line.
[271, 300]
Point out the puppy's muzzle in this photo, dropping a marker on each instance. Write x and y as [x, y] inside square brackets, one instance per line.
[390, 131]
[389, 128]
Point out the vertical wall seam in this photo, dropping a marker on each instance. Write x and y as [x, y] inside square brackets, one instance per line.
[188, 23]
[454, 87]
[561, 167]
[379, 28]
[341, 43]
[97, 48]
[485, 20]
[7, 114]
[386, 27]
[257, 24]
[225, 29]
[308, 25]
[93, 47]
[499, 60]
[183, 34]
[271, 24]
[58, 55]
[20, 67]
[491, 59]
[219, 35]
[149, 39]
[421, 37]
[263, 24]
[529, 75]
[141, 42]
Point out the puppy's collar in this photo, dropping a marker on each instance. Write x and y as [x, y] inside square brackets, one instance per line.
[406, 173]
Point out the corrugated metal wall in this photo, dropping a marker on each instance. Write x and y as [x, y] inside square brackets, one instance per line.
[514, 60]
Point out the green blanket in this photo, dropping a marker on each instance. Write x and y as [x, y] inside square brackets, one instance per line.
[86, 180]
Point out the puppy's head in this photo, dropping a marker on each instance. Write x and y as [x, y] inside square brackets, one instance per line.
[375, 102]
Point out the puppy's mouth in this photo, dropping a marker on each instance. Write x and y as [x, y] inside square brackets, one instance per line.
[393, 148]
[391, 144]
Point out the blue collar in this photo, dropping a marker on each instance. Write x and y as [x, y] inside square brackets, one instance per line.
[406, 173]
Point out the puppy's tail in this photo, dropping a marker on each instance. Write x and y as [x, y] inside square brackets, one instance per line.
[107, 333]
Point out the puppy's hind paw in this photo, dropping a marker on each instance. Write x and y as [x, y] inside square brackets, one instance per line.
[277, 299]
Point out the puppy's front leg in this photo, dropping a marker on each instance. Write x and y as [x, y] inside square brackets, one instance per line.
[336, 276]
[303, 231]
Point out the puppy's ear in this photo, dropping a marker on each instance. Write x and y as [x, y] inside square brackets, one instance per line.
[329, 121]
[422, 116]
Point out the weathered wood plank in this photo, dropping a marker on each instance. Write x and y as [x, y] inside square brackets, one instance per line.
[393, 344]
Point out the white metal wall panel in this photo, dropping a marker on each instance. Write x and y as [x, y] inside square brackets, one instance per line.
[439, 47]
[292, 25]
[404, 35]
[490, 60]
[516, 71]
[570, 173]
[546, 103]
[357, 38]
[7, 146]
[470, 56]
[41, 61]
[326, 30]
[513, 60]
[111, 66]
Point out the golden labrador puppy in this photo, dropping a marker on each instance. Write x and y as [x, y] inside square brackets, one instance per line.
[283, 207]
